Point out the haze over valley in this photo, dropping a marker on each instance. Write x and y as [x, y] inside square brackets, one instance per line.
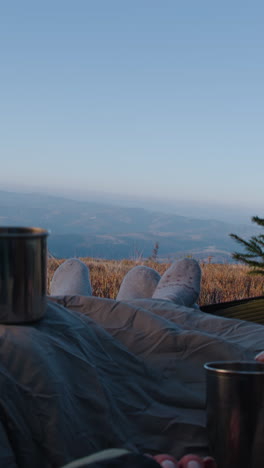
[110, 231]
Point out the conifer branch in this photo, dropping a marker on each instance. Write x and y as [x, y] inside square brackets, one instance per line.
[254, 256]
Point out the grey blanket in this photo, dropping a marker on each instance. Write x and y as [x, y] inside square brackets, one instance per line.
[96, 373]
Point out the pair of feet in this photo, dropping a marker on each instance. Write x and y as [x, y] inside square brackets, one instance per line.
[122, 458]
[180, 284]
[188, 461]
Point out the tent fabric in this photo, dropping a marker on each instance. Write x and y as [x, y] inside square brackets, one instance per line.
[97, 373]
[251, 309]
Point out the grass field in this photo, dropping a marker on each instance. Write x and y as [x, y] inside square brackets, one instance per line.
[220, 282]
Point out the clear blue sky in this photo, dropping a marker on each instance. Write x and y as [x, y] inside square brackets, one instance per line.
[159, 98]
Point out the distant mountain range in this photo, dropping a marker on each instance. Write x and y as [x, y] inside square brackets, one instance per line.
[90, 229]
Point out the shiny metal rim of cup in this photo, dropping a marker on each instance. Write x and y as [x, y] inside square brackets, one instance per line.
[17, 231]
[235, 367]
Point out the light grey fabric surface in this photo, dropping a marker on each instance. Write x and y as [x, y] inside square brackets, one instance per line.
[97, 373]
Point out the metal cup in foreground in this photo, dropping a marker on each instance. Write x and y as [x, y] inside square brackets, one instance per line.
[23, 267]
[235, 413]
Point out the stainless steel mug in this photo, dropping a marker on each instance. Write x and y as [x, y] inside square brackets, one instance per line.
[235, 413]
[23, 266]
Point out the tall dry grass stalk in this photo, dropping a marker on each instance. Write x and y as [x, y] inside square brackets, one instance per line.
[220, 283]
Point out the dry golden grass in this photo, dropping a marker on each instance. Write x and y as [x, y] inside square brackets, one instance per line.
[220, 282]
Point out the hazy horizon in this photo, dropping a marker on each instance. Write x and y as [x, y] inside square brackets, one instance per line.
[109, 228]
[237, 214]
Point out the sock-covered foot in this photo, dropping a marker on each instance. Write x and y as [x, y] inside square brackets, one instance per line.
[260, 357]
[166, 461]
[180, 283]
[139, 282]
[71, 278]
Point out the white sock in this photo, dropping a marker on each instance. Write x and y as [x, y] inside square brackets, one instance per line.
[180, 283]
[71, 278]
[139, 282]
